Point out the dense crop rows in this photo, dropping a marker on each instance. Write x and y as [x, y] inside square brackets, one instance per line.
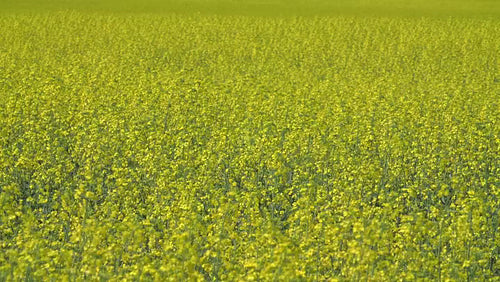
[249, 148]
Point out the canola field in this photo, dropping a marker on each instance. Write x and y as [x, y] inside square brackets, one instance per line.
[216, 146]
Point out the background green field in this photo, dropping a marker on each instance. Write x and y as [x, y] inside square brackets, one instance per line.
[269, 7]
[237, 140]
